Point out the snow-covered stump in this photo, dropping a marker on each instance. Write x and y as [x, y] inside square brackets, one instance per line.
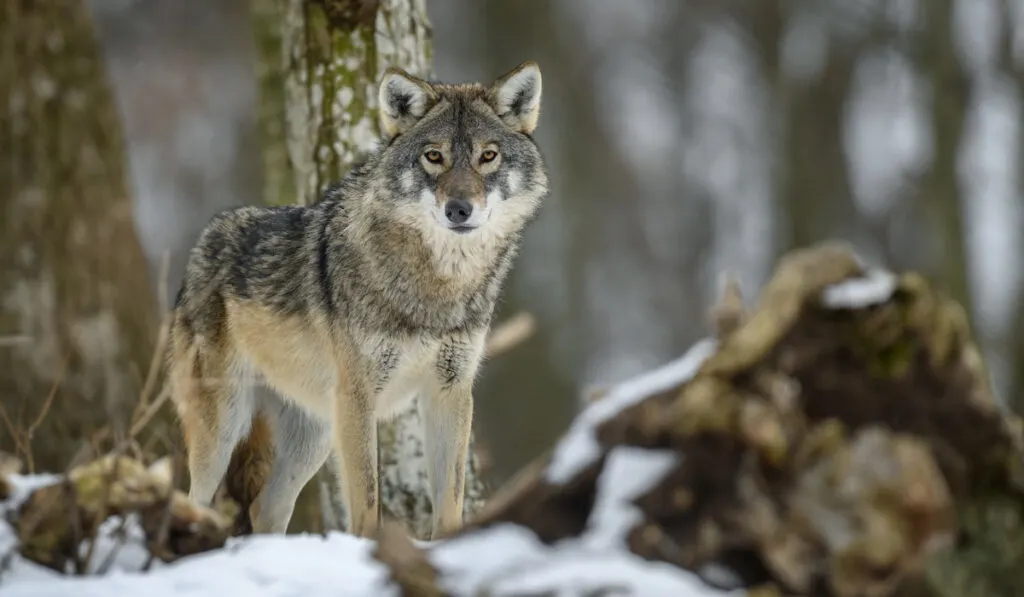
[841, 439]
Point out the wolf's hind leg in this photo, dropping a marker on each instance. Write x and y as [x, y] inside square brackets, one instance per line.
[215, 406]
[302, 442]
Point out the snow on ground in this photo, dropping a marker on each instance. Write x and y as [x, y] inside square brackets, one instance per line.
[507, 560]
[311, 565]
[510, 561]
[308, 565]
[628, 474]
[578, 448]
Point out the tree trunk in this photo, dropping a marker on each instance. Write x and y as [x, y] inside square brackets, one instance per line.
[1012, 342]
[77, 313]
[328, 56]
[941, 187]
[815, 184]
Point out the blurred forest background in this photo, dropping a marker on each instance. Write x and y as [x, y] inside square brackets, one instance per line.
[685, 138]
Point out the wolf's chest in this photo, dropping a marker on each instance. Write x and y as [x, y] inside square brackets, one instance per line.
[402, 370]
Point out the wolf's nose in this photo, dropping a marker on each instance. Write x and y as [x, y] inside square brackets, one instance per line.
[458, 211]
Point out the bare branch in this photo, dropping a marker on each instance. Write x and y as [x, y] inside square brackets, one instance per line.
[509, 334]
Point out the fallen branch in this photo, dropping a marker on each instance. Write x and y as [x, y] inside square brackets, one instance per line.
[54, 521]
[510, 333]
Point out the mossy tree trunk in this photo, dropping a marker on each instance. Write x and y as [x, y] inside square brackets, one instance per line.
[321, 61]
[77, 312]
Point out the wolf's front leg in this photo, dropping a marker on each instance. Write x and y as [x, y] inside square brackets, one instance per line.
[356, 448]
[448, 422]
[446, 410]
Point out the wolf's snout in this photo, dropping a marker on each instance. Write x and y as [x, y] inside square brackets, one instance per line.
[458, 211]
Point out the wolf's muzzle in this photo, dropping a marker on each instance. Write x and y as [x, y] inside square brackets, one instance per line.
[458, 211]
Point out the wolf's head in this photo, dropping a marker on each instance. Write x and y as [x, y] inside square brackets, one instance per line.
[459, 163]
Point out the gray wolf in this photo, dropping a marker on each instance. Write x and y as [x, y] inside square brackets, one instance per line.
[349, 308]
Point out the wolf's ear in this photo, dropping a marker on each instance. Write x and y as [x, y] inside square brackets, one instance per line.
[403, 99]
[516, 97]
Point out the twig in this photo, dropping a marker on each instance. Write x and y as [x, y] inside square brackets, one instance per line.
[151, 411]
[161, 339]
[15, 340]
[510, 334]
[165, 522]
[23, 439]
[15, 435]
[108, 561]
[45, 410]
[76, 522]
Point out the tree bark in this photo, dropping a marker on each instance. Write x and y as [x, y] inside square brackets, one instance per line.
[77, 315]
[322, 61]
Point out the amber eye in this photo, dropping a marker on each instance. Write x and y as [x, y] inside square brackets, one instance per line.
[434, 156]
[488, 156]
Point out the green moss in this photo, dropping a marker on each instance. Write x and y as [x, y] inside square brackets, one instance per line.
[342, 64]
[988, 563]
[893, 361]
[278, 177]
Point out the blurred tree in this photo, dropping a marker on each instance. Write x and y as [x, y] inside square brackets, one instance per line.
[183, 77]
[518, 387]
[813, 181]
[77, 311]
[1015, 358]
[1011, 64]
[940, 191]
[321, 64]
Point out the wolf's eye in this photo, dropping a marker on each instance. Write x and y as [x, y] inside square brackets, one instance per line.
[434, 156]
[488, 156]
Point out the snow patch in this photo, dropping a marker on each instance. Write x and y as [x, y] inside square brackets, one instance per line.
[578, 573]
[579, 447]
[875, 287]
[337, 565]
[310, 565]
[504, 560]
[628, 474]
[508, 560]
